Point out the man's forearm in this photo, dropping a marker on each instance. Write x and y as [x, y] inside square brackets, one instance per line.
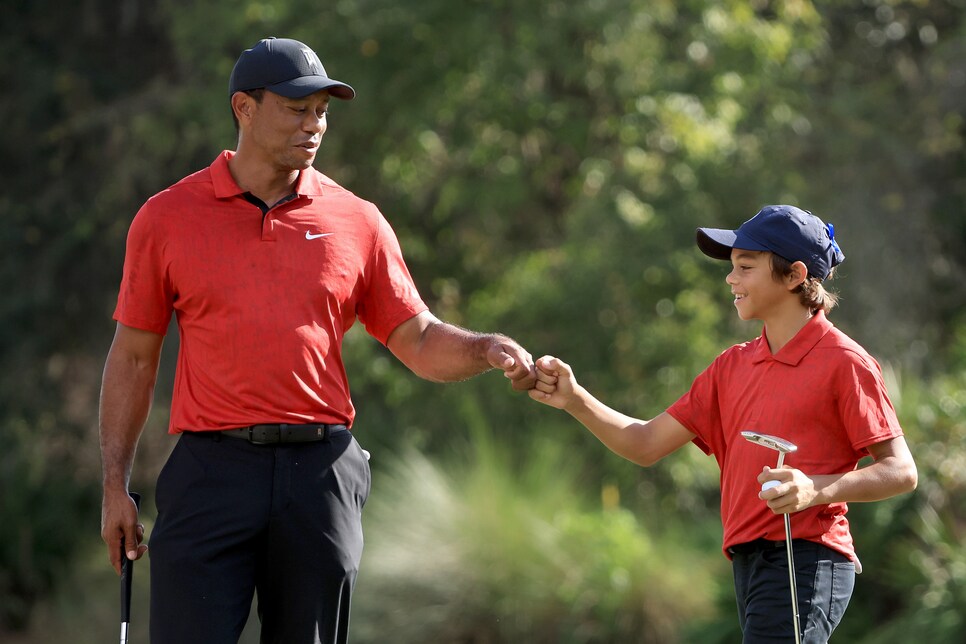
[126, 393]
[443, 352]
[448, 353]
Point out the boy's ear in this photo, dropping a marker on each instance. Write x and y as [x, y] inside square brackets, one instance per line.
[797, 275]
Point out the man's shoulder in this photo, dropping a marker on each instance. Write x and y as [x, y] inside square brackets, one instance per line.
[169, 206]
[327, 182]
[191, 183]
[330, 187]
[190, 187]
[335, 195]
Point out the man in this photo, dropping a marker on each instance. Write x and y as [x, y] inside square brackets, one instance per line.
[266, 263]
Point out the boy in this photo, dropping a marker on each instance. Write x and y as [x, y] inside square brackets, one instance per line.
[802, 380]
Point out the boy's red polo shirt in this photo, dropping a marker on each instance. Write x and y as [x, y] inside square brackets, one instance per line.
[821, 391]
[262, 302]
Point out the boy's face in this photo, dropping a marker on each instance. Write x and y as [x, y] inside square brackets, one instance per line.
[758, 295]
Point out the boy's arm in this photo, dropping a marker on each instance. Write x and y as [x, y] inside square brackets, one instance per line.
[641, 441]
[892, 473]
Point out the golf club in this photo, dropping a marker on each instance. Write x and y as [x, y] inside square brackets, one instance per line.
[127, 576]
[782, 447]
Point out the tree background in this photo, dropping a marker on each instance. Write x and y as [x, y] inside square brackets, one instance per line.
[544, 165]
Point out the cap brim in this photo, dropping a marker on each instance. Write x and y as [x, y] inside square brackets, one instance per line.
[305, 85]
[716, 242]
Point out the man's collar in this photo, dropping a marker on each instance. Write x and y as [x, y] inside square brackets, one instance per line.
[221, 179]
[309, 184]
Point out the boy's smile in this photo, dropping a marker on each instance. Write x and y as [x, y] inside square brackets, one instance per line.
[758, 295]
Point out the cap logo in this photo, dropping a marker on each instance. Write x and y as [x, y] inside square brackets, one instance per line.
[311, 59]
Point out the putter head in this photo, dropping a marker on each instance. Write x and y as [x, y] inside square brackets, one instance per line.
[771, 442]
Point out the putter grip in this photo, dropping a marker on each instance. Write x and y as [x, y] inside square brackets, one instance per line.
[127, 572]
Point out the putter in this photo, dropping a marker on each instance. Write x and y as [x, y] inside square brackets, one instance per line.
[127, 576]
[783, 447]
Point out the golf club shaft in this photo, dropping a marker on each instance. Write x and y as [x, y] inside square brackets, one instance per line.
[782, 446]
[791, 579]
[793, 587]
[127, 577]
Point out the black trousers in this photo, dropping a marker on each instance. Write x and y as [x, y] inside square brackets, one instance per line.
[824, 579]
[235, 519]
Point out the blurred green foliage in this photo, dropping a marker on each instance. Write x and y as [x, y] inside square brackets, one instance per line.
[545, 165]
[506, 548]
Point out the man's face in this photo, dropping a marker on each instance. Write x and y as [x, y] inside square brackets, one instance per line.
[286, 132]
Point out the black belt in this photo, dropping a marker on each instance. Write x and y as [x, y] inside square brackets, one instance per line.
[274, 434]
[758, 545]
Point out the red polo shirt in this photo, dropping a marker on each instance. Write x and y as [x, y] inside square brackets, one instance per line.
[262, 301]
[821, 391]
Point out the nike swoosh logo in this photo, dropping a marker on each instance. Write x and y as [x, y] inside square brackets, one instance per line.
[309, 235]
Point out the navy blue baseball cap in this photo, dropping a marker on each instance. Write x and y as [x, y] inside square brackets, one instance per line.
[286, 67]
[789, 232]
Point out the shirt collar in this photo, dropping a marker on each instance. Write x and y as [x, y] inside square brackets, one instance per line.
[221, 178]
[309, 184]
[799, 346]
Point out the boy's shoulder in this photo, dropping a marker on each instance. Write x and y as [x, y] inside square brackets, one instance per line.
[836, 339]
[837, 346]
[741, 352]
[827, 340]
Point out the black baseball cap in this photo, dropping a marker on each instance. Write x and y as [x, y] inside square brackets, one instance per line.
[789, 232]
[286, 67]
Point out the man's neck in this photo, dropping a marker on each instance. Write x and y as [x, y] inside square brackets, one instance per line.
[261, 179]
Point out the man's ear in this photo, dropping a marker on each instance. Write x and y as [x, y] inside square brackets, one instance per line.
[797, 275]
[242, 105]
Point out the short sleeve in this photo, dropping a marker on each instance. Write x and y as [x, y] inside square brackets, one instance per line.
[698, 409]
[145, 300]
[390, 296]
[865, 407]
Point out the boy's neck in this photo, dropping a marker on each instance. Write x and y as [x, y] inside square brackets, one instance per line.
[785, 325]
